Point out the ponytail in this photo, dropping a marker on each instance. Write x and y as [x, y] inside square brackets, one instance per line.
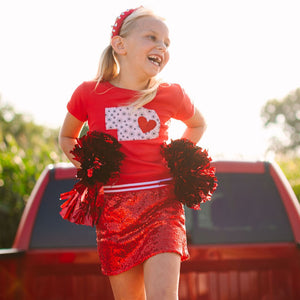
[108, 66]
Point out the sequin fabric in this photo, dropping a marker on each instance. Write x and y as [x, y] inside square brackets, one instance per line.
[137, 225]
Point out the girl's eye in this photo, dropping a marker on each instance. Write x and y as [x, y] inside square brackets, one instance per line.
[152, 37]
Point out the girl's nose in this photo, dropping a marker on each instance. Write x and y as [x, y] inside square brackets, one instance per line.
[161, 46]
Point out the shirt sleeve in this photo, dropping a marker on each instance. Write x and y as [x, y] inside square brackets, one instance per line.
[77, 104]
[185, 107]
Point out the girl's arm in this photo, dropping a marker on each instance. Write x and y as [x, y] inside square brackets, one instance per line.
[196, 127]
[67, 136]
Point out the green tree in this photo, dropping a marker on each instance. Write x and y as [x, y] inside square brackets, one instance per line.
[25, 150]
[290, 167]
[284, 114]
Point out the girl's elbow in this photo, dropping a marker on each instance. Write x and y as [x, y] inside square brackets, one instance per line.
[60, 139]
[204, 125]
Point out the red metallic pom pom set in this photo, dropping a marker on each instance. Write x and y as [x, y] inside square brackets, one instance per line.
[132, 184]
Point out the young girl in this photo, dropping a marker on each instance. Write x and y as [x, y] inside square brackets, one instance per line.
[141, 233]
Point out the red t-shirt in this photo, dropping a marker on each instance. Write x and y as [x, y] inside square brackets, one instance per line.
[140, 131]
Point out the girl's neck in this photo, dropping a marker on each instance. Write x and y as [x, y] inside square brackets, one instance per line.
[129, 83]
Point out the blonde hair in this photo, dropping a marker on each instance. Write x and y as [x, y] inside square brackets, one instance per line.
[108, 67]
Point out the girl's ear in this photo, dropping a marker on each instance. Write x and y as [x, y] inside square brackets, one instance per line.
[118, 45]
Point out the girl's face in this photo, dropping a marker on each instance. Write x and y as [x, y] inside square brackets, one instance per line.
[147, 47]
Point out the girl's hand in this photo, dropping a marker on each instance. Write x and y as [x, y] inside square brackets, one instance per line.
[196, 127]
[67, 137]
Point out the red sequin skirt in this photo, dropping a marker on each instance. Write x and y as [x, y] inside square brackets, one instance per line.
[136, 225]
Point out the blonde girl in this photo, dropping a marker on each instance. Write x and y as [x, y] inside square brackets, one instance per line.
[141, 233]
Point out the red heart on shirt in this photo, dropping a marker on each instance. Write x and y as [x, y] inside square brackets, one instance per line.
[145, 125]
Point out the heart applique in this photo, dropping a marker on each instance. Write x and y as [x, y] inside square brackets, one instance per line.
[145, 125]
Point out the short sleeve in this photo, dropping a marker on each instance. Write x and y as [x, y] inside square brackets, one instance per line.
[184, 106]
[77, 104]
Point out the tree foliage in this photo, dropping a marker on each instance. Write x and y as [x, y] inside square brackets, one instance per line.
[25, 150]
[290, 167]
[284, 114]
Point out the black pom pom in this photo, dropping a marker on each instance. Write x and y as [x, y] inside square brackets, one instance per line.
[100, 159]
[194, 178]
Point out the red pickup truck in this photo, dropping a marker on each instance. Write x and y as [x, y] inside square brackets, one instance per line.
[244, 243]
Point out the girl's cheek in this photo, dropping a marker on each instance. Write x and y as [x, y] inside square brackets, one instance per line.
[167, 57]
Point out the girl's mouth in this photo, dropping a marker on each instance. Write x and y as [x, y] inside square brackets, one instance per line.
[157, 60]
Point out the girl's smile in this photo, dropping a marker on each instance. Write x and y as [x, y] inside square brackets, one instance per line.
[145, 50]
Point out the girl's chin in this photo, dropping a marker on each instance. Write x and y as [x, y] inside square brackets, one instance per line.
[154, 72]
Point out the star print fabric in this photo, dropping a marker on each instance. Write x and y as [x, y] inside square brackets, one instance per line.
[132, 124]
[137, 225]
